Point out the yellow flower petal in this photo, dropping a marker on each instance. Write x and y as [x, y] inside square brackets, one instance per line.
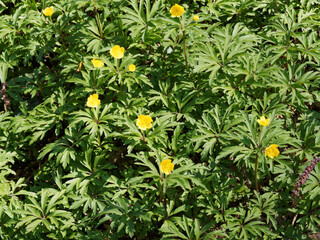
[166, 166]
[272, 151]
[196, 17]
[264, 121]
[93, 100]
[48, 11]
[132, 67]
[144, 122]
[97, 63]
[176, 10]
[117, 52]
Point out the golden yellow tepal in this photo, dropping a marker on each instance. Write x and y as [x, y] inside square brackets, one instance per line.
[196, 17]
[97, 63]
[48, 11]
[144, 122]
[176, 10]
[132, 68]
[93, 100]
[272, 151]
[264, 121]
[117, 52]
[166, 166]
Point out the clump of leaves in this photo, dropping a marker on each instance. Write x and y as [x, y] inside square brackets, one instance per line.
[73, 170]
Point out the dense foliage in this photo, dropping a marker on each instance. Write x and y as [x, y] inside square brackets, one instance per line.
[128, 119]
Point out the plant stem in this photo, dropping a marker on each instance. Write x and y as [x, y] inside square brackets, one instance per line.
[165, 207]
[184, 42]
[118, 73]
[116, 63]
[161, 190]
[276, 6]
[96, 118]
[143, 137]
[256, 163]
[163, 200]
[259, 141]
[98, 22]
[184, 48]
[97, 122]
[256, 173]
[99, 139]
[94, 79]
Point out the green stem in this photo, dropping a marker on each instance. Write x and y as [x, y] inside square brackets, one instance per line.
[98, 22]
[99, 139]
[162, 198]
[116, 63]
[256, 173]
[184, 48]
[161, 190]
[143, 137]
[184, 42]
[165, 207]
[94, 79]
[96, 114]
[118, 73]
[259, 141]
[256, 163]
[276, 6]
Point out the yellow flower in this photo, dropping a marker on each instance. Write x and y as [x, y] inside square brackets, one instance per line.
[176, 10]
[144, 122]
[48, 11]
[263, 121]
[97, 63]
[196, 17]
[166, 166]
[117, 52]
[93, 101]
[132, 67]
[272, 151]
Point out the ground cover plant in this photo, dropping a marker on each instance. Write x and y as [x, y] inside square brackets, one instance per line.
[159, 119]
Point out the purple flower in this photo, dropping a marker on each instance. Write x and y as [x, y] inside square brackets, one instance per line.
[304, 177]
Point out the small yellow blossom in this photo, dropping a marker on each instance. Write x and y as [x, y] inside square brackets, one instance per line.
[272, 151]
[166, 166]
[144, 122]
[132, 67]
[196, 17]
[48, 11]
[264, 121]
[97, 63]
[117, 52]
[93, 101]
[176, 10]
